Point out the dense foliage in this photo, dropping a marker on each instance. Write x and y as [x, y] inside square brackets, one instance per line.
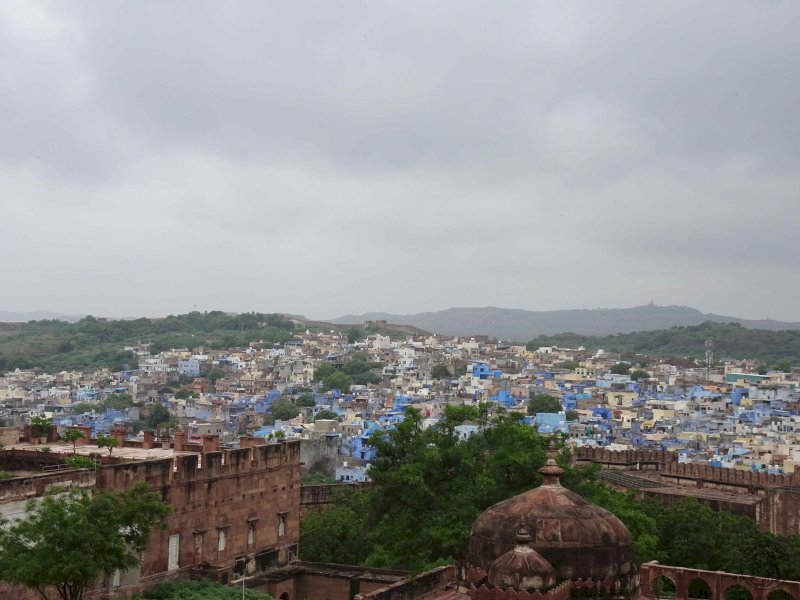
[92, 343]
[731, 340]
[325, 414]
[440, 371]
[543, 403]
[360, 370]
[283, 410]
[429, 487]
[92, 536]
[200, 590]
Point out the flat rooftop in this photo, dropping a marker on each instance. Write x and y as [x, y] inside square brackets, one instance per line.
[87, 449]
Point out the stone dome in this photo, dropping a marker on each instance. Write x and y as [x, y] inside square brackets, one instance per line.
[522, 568]
[578, 538]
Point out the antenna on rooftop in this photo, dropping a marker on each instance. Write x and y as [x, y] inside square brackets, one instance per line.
[709, 356]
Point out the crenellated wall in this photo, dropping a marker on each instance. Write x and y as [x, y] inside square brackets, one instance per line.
[641, 458]
[732, 479]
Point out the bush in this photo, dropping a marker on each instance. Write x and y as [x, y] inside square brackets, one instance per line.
[326, 414]
[283, 410]
[200, 590]
[543, 403]
[40, 426]
[79, 462]
[306, 399]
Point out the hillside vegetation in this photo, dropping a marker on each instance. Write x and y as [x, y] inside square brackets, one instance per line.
[731, 340]
[92, 343]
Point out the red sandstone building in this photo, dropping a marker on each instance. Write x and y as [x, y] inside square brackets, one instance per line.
[235, 512]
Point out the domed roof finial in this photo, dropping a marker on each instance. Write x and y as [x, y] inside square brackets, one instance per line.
[523, 538]
[551, 471]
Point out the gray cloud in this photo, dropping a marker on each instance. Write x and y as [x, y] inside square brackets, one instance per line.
[321, 158]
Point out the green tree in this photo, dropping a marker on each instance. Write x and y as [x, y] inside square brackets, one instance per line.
[355, 334]
[107, 441]
[184, 393]
[440, 371]
[118, 401]
[40, 426]
[307, 400]
[159, 415]
[639, 374]
[338, 381]
[73, 435]
[620, 368]
[785, 365]
[214, 374]
[340, 534]
[283, 410]
[324, 370]
[429, 485]
[92, 536]
[326, 414]
[543, 403]
[360, 370]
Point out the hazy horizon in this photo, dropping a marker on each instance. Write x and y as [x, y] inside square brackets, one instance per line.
[333, 317]
[325, 159]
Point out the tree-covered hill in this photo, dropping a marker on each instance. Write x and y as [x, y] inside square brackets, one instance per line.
[731, 340]
[91, 343]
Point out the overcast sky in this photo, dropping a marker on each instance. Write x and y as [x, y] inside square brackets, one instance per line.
[327, 157]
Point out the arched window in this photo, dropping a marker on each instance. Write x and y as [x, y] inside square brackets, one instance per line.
[664, 587]
[738, 592]
[284, 596]
[698, 588]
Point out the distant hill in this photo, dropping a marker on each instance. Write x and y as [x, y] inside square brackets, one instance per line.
[731, 340]
[37, 315]
[522, 325]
